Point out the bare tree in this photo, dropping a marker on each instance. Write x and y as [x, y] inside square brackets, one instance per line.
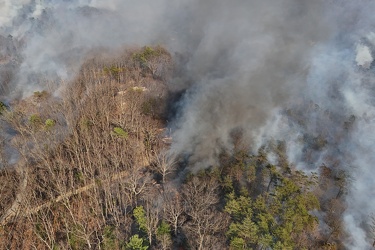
[136, 184]
[205, 225]
[77, 175]
[165, 164]
[173, 208]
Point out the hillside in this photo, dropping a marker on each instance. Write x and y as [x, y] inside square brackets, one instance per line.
[187, 124]
[93, 172]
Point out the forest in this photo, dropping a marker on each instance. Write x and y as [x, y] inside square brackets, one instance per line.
[187, 124]
[91, 169]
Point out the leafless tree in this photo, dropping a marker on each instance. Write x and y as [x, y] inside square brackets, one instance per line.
[165, 164]
[205, 225]
[173, 208]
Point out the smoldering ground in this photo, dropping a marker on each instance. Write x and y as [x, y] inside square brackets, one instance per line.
[245, 63]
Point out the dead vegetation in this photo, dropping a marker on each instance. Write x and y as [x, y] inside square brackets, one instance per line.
[92, 148]
[93, 172]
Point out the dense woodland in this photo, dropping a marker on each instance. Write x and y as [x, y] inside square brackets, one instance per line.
[89, 168]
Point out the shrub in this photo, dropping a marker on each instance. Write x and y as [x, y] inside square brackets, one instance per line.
[136, 243]
[35, 120]
[120, 132]
[147, 53]
[3, 107]
[155, 60]
[164, 235]
[109, 238]
[237, 243]
[39, 95]
[49, 123]
[113, 71]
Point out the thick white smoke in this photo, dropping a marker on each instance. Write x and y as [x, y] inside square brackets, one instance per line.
[340, 87]
[245, 63]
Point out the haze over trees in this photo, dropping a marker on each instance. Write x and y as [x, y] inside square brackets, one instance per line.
[90, 169]
[265, 108]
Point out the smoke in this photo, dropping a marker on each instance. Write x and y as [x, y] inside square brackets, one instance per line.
[251, 58]
[56, 35]
[337, 106]
[246, 64]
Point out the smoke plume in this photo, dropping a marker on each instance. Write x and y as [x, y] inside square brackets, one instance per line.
[245, 64]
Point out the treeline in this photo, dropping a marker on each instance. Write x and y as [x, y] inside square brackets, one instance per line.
[89, 169]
